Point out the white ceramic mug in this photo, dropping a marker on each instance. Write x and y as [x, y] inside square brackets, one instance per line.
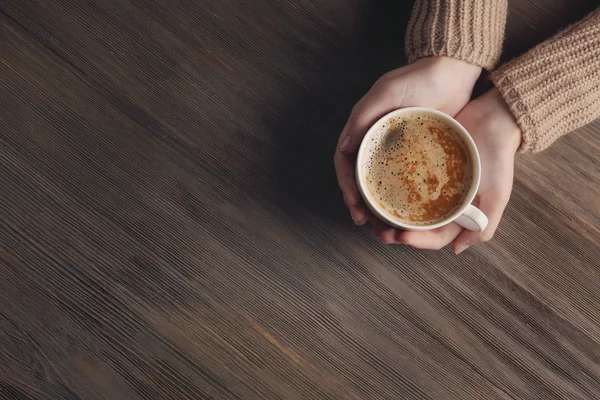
[467, 215]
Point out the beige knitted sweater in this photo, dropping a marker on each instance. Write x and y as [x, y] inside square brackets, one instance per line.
[551, 90]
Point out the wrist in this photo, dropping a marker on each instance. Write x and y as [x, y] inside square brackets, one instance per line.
[452, 70]
[498, 112]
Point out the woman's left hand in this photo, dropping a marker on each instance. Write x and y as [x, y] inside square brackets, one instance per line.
[497, 136]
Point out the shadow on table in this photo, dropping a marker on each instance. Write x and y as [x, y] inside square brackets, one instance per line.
[346, 71]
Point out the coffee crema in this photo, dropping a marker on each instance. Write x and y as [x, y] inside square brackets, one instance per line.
[418, 169]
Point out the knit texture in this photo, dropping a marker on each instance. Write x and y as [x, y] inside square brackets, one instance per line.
[470, 30]
[555, 88]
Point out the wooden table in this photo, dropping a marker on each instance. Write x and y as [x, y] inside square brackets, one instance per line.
[170, 226]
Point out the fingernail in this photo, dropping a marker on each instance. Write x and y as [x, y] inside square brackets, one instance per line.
[345, 146]
[357, 215]
[460, 248]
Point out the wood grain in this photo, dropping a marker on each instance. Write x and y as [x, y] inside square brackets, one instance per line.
[170, 226]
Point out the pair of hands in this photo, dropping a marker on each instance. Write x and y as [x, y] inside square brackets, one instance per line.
[444, 84]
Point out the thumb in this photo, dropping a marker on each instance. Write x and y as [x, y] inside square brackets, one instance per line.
[492, 204]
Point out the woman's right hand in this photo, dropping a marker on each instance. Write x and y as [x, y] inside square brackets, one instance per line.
[441, 83]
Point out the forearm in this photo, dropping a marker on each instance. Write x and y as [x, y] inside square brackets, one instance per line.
[469, 30]
[555, 87]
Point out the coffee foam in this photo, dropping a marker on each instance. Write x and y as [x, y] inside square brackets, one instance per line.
[417, 169]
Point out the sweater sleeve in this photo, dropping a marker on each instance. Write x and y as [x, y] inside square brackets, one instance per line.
[470, 30]
[555, 87]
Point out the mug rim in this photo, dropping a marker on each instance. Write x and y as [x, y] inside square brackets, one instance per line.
[474, 153]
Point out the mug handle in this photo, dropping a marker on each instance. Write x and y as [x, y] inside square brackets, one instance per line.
[472, 219]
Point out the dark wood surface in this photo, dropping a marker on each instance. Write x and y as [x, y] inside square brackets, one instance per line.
[170, 225]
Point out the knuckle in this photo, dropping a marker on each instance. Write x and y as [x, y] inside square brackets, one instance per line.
[383, 80]
[387, 77]
[486, 236]
[437, 246]
[355, 115]
[383, 84]
[383, 88]
[355, 118]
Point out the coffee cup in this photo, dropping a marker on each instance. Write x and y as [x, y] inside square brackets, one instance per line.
[418, 168]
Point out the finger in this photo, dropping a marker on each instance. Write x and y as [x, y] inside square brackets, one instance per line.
[344, 169]
[363, 116]
[378, 227]
[434, 239]
[368, 216]
[492, 204]
[385, 233]
[389, 235]
[359, 213]
[375, 104]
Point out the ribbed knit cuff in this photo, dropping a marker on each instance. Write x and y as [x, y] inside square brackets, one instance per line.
[470, 30]
[555, 88]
